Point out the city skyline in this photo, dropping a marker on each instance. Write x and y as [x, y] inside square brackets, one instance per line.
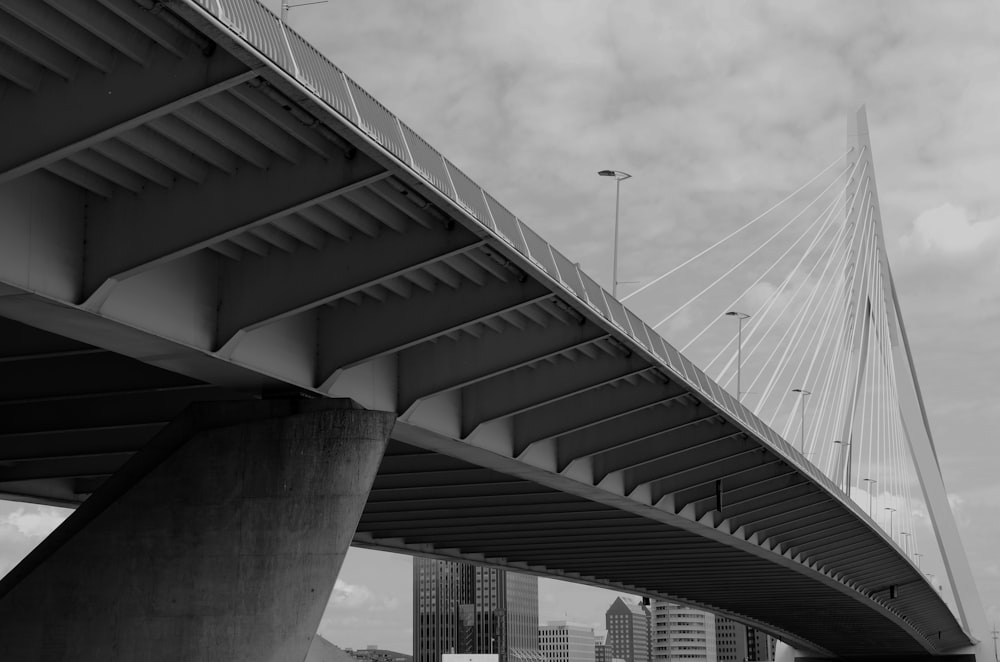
[943, 225]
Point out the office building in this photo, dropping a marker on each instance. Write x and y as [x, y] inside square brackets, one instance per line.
[628, 631]
[601, 652]
[562, 641]
[730, 640]
[461, 607]
[760, 645]
[682, 633]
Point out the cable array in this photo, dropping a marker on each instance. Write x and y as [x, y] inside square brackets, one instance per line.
[798, 323]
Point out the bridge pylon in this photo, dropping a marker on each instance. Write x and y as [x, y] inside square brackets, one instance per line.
[871, 291]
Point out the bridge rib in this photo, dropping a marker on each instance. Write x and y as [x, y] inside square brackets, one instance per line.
[696, 432]
[445, 365]
[189, 217]
[260, 290]
[732, 450]
[623, 431]
[533, 386]
[350, 334]
[612, 402]
[142, 93]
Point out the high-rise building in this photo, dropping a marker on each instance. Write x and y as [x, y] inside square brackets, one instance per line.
[730, 640]
[601, 652]
[628, 631]
[682, 633]
[461, 607]
[562, 641]
[760, 645]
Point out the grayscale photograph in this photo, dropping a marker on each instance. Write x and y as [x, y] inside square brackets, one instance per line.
[499, 331]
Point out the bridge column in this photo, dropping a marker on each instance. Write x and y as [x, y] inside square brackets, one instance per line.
[221, 540]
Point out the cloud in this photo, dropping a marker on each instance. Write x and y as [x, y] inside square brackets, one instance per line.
[34, 522]
[358, 596]
[948, 232]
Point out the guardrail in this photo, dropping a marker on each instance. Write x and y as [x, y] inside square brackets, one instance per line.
[263, 32]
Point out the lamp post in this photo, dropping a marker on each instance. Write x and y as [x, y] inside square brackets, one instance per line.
[917, 556]
[739, 349]
[619, 178]
[285, 6]
[802, 410]
[871, 488]
[892, 511]
[906, 542]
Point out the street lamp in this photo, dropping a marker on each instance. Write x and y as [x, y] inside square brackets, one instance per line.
[917, 556]
[802, 401]
[619, 178]
[847, 473]
[871, 489]
[285, 6]
[892, 511]
[906, 541]
[739, 348]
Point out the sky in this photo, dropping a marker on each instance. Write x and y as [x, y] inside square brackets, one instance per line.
[718, 110]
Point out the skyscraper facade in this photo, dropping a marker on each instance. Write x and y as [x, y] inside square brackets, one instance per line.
[465, 608]
[730, 640]
[628, 631]
[562, 641]
[760, 645]
[682, 633]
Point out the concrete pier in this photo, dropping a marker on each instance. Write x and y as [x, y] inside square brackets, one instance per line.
[220, 541]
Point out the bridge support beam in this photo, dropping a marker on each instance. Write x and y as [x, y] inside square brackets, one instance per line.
[220, 540]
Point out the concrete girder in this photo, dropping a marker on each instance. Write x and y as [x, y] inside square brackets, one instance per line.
[732, 451]
[168, 154]
[623, 431]
[147, 23]
[791, 494]
[144, 93]
[260, 290]
[189, 217]
[19, 69]
[445, 365]
[37, 48]
[737, 485]
[254, 98]
[222, 131]
[351, 334]
[775, 525]
[274, 136]
[736, 496]
[534, 386]
[66, 32]
[458, 501]
[107, 26]
[694, 433]
[598, 406]
[527, 513]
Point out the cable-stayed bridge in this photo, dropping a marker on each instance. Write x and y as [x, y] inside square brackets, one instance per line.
[197, 207]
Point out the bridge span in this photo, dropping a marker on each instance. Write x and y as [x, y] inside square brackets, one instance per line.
[197, 207]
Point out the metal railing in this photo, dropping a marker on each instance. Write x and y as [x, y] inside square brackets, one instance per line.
[262, 31]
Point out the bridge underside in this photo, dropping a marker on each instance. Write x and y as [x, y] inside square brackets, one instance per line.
[227, 229]
[73, 414]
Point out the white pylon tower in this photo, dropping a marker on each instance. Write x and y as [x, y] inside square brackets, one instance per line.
[864, 287]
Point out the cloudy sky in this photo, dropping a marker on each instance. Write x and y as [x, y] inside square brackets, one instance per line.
[718, 109]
